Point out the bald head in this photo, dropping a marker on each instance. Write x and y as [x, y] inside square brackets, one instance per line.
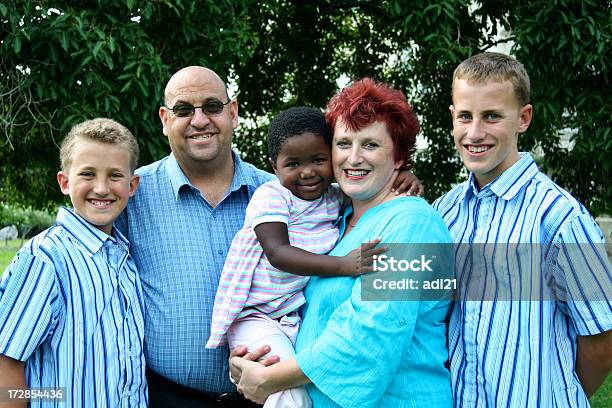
[191, 76]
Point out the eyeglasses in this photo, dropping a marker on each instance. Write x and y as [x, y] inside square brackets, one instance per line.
[209, 108]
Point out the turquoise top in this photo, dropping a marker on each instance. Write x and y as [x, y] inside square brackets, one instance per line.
[382, 353]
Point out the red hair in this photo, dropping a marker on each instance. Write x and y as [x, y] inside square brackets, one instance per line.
[367, 101]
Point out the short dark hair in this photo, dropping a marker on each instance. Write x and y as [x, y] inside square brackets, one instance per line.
[367, 101]
[293, 122]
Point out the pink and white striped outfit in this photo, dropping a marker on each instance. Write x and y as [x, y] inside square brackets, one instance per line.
[249, 284]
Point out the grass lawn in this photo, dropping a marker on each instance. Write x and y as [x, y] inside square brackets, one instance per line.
[603, 396]
[602, 399]
[8, 249]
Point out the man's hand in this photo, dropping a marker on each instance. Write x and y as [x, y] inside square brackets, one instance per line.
[242, 353]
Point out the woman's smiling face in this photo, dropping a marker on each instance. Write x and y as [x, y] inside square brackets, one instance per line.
[363, 160]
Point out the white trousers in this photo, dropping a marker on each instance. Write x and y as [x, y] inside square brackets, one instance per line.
[258, 330]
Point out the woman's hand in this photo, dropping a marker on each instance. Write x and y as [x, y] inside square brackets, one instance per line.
[253, 383]
[242, 353]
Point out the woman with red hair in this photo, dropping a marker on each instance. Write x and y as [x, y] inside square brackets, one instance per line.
[359, 346]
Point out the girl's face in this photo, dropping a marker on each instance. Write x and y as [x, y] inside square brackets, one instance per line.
[303, 165]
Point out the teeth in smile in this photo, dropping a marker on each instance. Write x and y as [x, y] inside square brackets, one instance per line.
[478, 149]
[201, 137]
[99, 203]
[356, 173]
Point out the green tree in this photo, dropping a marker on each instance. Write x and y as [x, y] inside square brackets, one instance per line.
[63, 63]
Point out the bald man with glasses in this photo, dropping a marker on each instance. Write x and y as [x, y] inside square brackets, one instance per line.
[181, 222]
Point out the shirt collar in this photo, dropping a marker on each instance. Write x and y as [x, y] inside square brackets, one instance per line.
[91, 238]
[506, 185]
[242, 177]
[177, 178]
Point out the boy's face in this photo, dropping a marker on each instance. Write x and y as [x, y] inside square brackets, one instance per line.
[99, 182]
[487, 119]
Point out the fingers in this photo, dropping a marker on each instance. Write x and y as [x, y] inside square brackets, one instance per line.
[235, 365]
[368, 251]
[369, 244]
[401, 186]
[268, 361]
[416, 189]
[239, 351]
[258, 353]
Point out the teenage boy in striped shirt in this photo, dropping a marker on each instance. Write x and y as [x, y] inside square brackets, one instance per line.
[71, 306]
[522, 348]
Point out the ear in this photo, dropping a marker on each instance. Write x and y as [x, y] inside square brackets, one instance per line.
[164, 116]
[62, 180]
[452, 111]
[398, 164]
[273, 164]
[234, 113]
[134, 181]
[525, 115]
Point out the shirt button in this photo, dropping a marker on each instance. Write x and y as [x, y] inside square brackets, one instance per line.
[402, 322]
[220, 251]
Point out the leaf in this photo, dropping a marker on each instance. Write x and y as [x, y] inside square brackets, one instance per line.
[96, 48]
[109, 61]
[64, 41]
[17, 45]
[3, 9]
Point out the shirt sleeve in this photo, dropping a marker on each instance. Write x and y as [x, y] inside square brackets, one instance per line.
[29, 306]
[582, 269]
[270, 203]
[354, 359]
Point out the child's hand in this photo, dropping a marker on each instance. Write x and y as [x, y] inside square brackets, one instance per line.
[408, 184]
[359, 260]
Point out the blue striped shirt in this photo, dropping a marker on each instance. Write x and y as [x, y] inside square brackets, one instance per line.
[71, 308]
[523, 353]
[179, 242]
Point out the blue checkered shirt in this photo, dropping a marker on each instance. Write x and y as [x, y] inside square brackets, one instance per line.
[523, 353]
[71, 307]
[179, 242]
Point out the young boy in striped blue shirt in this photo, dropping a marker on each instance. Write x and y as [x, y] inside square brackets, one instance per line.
[71, 306]
[533, 323]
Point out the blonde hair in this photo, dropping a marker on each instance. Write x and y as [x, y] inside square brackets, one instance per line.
[100, 130]
[498, 67]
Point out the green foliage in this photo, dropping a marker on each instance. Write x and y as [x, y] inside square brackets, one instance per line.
[64, 61]
[569, 65]
[28, 221]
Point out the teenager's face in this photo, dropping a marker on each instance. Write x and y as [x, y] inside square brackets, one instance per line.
[303, 165]
[487, 119]
[99, 182]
